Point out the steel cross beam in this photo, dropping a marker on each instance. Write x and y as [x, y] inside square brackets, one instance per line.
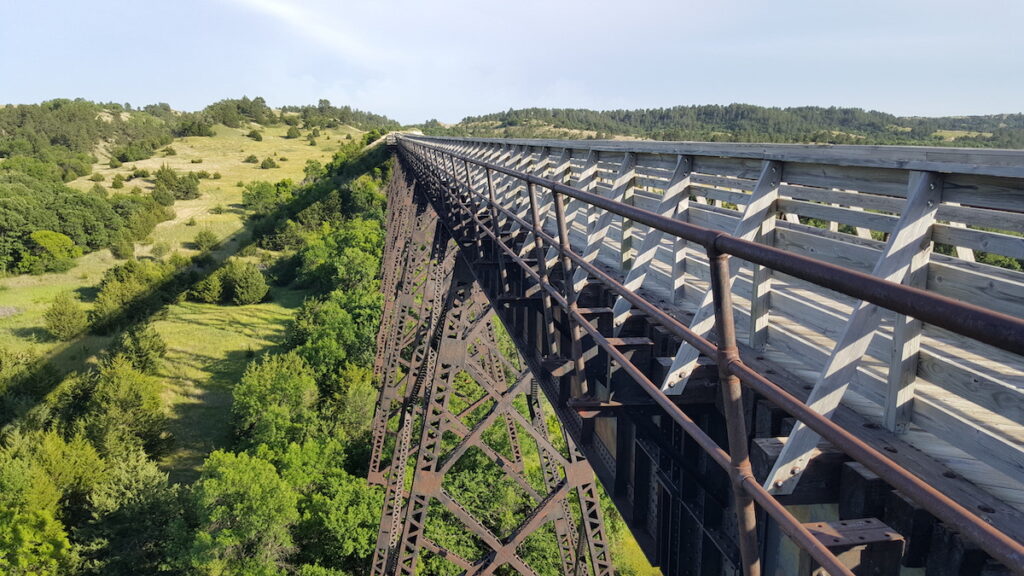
[438, 330]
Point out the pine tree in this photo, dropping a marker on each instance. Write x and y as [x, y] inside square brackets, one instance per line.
[65, 318]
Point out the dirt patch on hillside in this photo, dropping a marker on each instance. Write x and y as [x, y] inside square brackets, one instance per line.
[6, 311]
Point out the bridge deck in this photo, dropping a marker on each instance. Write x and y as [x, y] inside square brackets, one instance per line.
[944, 406]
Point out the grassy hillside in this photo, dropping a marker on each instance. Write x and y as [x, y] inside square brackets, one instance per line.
[208, 345]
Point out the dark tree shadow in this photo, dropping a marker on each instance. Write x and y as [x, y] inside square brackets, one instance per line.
[33, 334]
[87, 293]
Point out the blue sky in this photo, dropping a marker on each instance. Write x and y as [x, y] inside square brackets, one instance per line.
[447, 59]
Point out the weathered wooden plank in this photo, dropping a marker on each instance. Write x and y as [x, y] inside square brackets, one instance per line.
[863, 179]
[726, 182]
[992, 394]
[711, 217]
[985, 191]
[870, 220]
[761, 289]
[596, 237]
[995, 289]
[846, 254]
[738, 198]
[996, 450]
[906, 338]
[876, 202]
[1012, 246]
[998, 219]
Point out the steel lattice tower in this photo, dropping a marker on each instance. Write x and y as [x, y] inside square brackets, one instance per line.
[440, 336]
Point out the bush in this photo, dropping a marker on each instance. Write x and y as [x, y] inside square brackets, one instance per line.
[118, 182]
[162, 195]
[209, 290]
[182, 186]
[65, 318]
[218, 209]
[255, 135]
[293, 132]
[48, 251]
[268, 163]
[114, 163]
[274, 402]
[123, 248]
[143, 347]
[251, 159]
[170, 151]
[140, 173]
[245, 283]
[244, 512]
[190, 222]
[125, 409]
[216, 176]
[160, 249]
[129, 291]
[206, 239]
[98, 190]
[196, 160]
[282, 159]
[263, 197]
[97, 177]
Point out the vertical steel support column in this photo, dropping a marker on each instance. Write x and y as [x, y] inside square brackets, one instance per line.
[732, 396]
[542, 270]
[579, 373]
[496, 225]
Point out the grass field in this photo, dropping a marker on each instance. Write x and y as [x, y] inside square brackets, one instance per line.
[950, 135]
[208, 345]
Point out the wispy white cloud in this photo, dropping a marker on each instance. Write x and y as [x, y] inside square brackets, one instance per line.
[321, 28]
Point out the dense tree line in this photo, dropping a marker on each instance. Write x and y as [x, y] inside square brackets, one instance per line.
[56, 139]
[748, 123]
[44, 225]
[325, 115]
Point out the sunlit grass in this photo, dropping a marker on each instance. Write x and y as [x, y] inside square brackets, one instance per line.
[208, 347]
